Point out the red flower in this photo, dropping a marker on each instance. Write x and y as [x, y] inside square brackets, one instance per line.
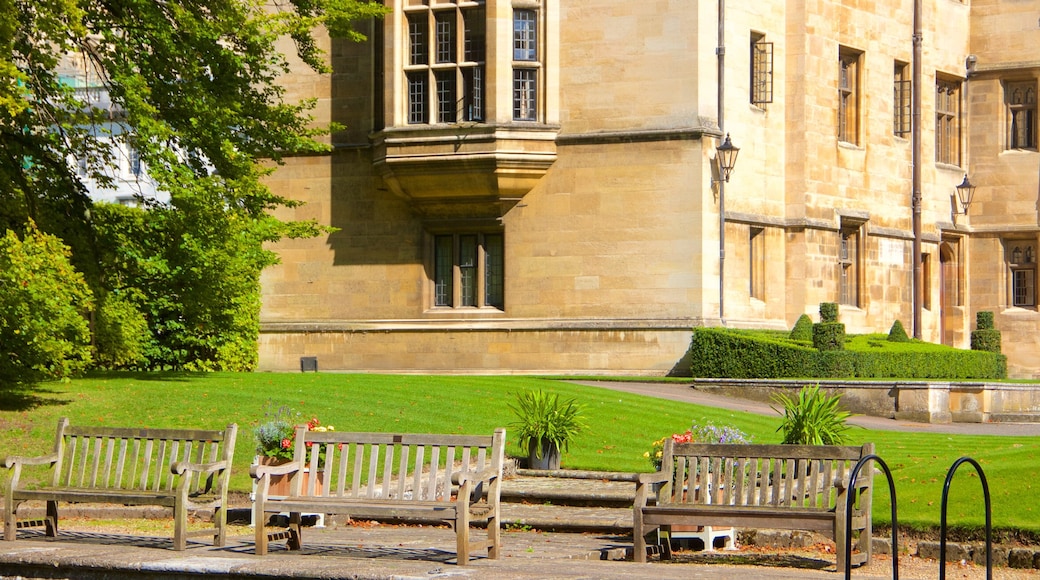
[286, 443]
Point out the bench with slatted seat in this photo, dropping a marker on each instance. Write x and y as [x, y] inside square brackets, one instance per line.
[387, 476]
[791, 487]
[182, 469]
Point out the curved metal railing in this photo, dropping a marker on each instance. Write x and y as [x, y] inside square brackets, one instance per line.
[848, 515]
[989, 517]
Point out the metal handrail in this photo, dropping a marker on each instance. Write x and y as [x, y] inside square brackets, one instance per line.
[848, 515]
[989, 518]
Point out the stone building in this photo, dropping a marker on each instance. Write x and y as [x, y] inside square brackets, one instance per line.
[531, 186]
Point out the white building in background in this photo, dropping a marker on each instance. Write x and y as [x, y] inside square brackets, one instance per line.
[130, 182]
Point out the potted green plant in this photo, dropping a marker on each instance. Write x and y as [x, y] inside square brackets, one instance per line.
[275, 440]
[813, 418]
[545, 426]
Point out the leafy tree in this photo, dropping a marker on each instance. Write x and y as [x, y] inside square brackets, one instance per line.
[43, 331]
[194, 89]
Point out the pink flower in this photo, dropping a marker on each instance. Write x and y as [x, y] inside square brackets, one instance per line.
[286, 443]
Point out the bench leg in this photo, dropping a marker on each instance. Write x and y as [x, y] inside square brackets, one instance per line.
[51, 521]
[260, 532]
[462, 537]
[666, 544]
[638, 536]
[180, 527]
[494, 531]
[295, 531]
[220, 522]
[10, 520]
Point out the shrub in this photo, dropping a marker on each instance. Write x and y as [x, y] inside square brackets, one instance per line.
[897, 333]
[802, 329]
[121, 334]
[814, 418]
[43, 331]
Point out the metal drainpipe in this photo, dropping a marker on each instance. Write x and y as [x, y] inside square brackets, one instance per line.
[915, 201]
[720, 51]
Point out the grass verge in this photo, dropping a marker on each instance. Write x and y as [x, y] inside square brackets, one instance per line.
[622, 427]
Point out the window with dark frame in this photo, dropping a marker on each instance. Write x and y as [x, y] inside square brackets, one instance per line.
[525, 76]
[1021, 260]
[761, 70]
[525, 102]
[417, 97]
[451, 90]
[468, 270]
[525, 35]
[1021, 103]
[848, 96]
[947, 122]
[901, 112]
[135, 161]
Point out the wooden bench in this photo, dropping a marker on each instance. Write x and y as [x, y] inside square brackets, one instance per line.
[183, 469]
[793, 487]
[452, 478]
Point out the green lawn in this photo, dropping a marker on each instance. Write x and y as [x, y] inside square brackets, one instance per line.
[621, 428]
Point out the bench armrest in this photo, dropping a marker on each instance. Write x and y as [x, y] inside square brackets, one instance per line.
[182, 467]
[462, 477]
[651, 478]
[259, 471]
[13, 460]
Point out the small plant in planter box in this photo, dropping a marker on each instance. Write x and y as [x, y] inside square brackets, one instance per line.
[707, 432]
[545, 426]
[813, 418]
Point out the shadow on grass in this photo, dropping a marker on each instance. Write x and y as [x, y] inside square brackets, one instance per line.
[29, 398]
[161, 376]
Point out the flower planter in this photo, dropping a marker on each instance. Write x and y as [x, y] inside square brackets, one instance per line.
[550, 458]
[281, 485]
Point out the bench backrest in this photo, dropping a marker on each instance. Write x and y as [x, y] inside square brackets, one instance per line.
[136, 459]
[393, 466]
[794, 476]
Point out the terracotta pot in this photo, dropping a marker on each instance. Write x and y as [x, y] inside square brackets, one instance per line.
[281, 485]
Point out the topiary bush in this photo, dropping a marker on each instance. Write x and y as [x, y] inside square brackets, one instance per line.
[828, 312]
[985, 338]
[984, 320]
[828, 334]
[802, 329]
[897, 333]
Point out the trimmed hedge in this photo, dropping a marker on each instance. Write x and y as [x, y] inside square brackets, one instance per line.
[720, 352]
[717, 352]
